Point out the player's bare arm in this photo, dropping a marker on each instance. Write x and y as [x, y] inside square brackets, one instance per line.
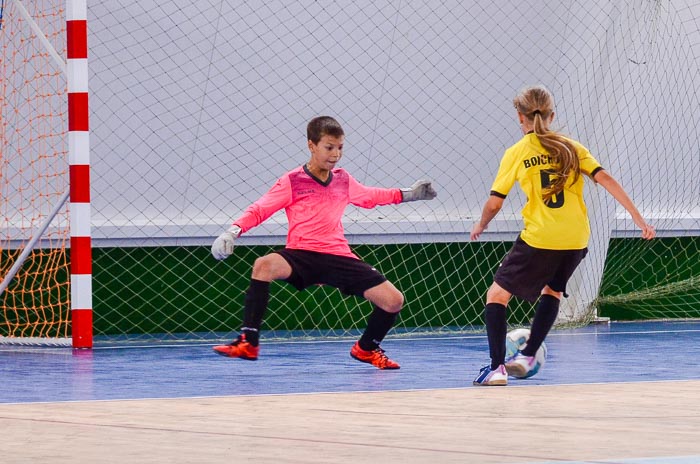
[615, 189]
[491, 208]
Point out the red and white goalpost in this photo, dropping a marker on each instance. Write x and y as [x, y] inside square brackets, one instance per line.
[46, 290]
[79, 159]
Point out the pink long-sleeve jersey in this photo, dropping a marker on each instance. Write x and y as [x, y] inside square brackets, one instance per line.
[315, 209]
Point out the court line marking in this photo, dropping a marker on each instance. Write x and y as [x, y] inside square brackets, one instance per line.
[655, 460]
[469, 386]
[394, 338]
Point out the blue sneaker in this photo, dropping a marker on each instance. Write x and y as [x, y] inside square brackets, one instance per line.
[521, 366]
[490, 377]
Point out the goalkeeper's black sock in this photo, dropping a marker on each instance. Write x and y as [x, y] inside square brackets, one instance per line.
[378, 325]
[545, 316]
[256, 299]
[496, 330]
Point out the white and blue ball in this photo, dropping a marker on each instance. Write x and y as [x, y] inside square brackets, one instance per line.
[516, 340]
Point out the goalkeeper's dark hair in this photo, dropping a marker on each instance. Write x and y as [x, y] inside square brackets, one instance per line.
[536, 103]
[323, 125]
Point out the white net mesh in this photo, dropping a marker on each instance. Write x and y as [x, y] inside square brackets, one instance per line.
[33, 172]
[198, 107]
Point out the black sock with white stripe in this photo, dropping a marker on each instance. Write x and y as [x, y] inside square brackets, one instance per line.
[378, 325]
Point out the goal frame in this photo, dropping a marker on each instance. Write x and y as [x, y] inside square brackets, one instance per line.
[75, 69]
[79, 161]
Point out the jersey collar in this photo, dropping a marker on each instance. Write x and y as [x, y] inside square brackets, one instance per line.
[325, 184]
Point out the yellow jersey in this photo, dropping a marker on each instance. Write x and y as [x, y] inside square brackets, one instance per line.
[563, 223]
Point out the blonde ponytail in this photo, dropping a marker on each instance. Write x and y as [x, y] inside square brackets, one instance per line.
[537, 104]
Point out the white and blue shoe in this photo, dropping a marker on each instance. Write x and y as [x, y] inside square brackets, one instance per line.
[492, 377]
[521, 366]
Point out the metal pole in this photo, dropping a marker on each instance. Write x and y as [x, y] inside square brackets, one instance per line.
[32, 242]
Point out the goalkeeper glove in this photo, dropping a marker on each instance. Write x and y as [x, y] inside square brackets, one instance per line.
[223, 245]
[420, 190]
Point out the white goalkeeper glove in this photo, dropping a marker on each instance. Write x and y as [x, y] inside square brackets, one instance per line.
[222, 247]
[420, 190]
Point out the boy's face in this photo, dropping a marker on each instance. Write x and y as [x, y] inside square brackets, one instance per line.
[327, 152]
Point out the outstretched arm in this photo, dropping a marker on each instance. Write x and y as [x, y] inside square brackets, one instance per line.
[369, 197]
[278, 197]
[491, 208]
[615, 189]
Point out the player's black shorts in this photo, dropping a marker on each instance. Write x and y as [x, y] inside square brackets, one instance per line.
[349, 275]
[526, 270]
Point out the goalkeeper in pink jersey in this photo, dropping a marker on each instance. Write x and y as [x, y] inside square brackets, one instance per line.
[314, 197]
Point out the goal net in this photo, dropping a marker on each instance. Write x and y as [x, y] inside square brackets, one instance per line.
[198, 107]
[33, 173]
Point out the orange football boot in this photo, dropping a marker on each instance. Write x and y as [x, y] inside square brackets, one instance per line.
[239, 348]
[376, 357]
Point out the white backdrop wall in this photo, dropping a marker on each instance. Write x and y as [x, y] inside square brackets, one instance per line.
[198, 107]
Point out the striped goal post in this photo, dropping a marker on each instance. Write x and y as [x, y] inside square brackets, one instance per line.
[79, 158]
[36, 263]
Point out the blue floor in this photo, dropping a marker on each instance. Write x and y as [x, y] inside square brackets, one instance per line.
[619, 352]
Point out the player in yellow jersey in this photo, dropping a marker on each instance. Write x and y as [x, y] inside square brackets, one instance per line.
[550, 169]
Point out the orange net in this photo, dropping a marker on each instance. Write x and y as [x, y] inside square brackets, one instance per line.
[34, 169]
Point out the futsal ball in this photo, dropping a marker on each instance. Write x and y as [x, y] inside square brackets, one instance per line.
[517, 340]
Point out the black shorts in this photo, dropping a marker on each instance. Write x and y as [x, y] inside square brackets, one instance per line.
[526, 270]
[349, 275]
